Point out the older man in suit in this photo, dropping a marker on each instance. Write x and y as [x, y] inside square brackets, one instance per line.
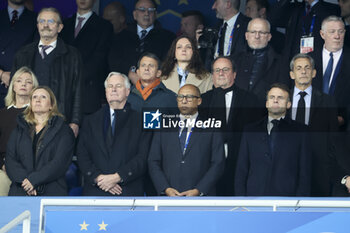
[317, 110]
[112, 149]
[188, 160]
[92, 36]
[333, 66]
[274, 157]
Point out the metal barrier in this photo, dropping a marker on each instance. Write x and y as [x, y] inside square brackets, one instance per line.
[23, 217]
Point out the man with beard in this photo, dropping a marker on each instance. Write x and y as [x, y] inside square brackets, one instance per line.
[56, 65]
[274, 157]
[17, 28]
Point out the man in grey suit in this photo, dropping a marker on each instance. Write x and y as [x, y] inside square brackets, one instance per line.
[189, 160]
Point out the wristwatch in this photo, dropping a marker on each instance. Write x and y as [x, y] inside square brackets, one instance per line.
[343, 181]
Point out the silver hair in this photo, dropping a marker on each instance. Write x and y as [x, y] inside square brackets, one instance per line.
[126, 79]
[51, 9]
[301, 55]
[331, 18]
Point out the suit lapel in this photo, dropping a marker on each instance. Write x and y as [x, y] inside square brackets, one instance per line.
[99, 130]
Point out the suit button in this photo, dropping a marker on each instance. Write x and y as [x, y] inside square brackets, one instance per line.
[3, 52]
[267, 154]
[130, 174]
[88, 173]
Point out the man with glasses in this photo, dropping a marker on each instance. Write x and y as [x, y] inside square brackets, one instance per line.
[333, 66]
[187, 160]
[259, 66]
[146, 35]
[56, 65]
[235, 108]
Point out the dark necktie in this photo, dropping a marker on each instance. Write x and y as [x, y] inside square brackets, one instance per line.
[113, 122]
[14, 17]
[142, 40]
[222, 39]
[307, 9]
[327, 74]
[273, 134]
[300, 117]
[183, 136]
[79, 25]
[43, 50]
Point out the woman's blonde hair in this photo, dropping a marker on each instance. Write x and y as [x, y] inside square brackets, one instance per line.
[29, 114]
[10, 98]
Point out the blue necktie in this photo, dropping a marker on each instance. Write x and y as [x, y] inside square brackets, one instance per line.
[327, 74]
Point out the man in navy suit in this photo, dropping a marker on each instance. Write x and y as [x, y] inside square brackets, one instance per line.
[17, 28]
[188, 160]
[112, 149]
[231, 36]
[92, 36]
[317, 110]
[274, 157]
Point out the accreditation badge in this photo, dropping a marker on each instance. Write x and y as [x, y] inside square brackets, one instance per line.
[306, 44]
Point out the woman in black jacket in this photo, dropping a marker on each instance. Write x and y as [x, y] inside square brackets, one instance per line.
[40, 149]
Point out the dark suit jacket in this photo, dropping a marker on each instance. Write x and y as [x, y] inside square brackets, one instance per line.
[125, 50]
[65, 76]
[127, 155]
[342, 82]
[12, 39]
[284, 171]
[239, 42]
[323, 127]
[272, 73]
[243, 111]
[291, 16]
[93, 43]
[200, 167]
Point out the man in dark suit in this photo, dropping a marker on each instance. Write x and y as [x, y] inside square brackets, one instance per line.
[274, 156]
[345, 14]
[317, 110]
[92, 36]
[112, 149]
[235, 108]
[333, 66]
[232, 28]
[259, 66]
[56, 65]
[302, 22]
[145, 35]
[17, 28]
[188, 160]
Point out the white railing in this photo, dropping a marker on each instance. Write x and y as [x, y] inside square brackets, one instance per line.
[23, 217]
[156, 203]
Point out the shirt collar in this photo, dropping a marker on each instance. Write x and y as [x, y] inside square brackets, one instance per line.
[192, 117]
[139, 29]
[325, 51]
[19, 10]
[231, 22]
[270, 118]
[86, 16]
[307, 90]
[14, 106]
[53, 44]
[313, 3]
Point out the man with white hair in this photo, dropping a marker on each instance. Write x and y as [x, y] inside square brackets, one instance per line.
[112, 149]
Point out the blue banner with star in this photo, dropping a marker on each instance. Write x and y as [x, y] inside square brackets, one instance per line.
[169, 11]
[194, 221]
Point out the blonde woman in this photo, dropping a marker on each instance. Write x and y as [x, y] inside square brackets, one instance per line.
[16, 100]
[40, 149]
[184, 66]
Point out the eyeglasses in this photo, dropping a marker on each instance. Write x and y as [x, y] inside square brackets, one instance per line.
[225, 70]
[260, 33]
[189, 98]
[49, 22]
[143, 9]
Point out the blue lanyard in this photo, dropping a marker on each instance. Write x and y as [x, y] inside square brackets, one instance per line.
[311, 26]
[229, 45]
